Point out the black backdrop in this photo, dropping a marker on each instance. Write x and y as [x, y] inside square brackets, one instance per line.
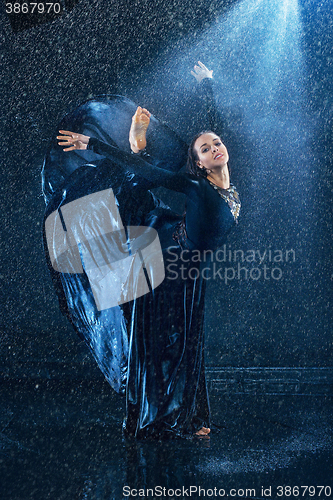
[114, 47]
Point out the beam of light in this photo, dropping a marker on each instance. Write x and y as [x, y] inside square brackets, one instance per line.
[257, 54]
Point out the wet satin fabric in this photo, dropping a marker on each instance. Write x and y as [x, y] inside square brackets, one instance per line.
[142, 347]
[105, 331]
[152, 347]
[166, 388]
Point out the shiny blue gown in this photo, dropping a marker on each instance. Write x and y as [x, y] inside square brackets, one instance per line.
[166, 389]
[151, 348]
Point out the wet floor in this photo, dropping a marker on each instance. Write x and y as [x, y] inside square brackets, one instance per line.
[64, 442]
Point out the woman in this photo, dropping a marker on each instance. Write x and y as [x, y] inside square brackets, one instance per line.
[166, 391]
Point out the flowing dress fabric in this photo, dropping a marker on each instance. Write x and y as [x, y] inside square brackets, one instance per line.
[152, 347]
[70, 177]
[166, 388]
[105, 331]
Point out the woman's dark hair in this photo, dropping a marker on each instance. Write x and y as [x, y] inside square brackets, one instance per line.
[192, 157]
[180, 234]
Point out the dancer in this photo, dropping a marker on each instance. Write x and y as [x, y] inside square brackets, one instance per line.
[166, 390]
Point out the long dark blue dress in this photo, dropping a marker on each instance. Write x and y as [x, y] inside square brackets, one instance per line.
[166, 388]
[151, 347]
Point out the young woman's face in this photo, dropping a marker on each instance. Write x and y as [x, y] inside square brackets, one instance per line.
[211, 151]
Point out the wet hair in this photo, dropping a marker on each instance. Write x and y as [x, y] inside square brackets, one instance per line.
[192, 157]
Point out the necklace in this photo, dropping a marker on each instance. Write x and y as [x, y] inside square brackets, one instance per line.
[231, 196]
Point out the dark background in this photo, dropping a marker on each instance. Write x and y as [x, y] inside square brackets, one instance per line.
[280, 145]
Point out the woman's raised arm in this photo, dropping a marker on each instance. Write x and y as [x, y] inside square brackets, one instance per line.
[204, 77]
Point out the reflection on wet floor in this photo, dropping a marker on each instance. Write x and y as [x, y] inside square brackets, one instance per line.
[63, 441]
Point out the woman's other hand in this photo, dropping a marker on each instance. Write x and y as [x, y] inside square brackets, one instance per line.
[73, 140]
[201, 71]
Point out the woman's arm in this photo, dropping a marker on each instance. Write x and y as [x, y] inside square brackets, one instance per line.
[131, 163]
[180, 182]
[204, 77]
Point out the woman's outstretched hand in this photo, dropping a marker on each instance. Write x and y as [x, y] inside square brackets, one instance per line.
[201, 71]
[73, 140]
